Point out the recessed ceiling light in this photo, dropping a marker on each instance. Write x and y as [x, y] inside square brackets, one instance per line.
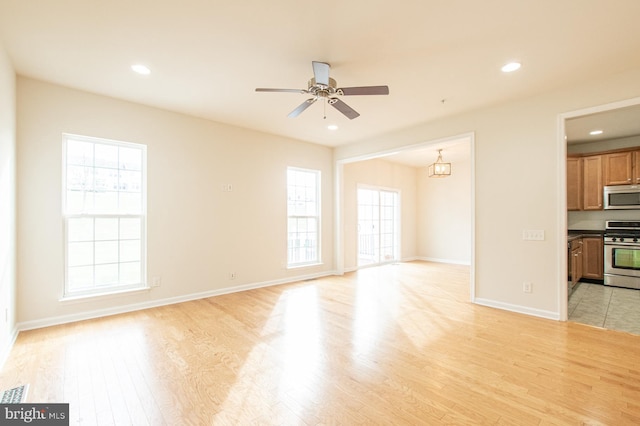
[596, 132]
[141, 69]
[332, 127]
[511, 66]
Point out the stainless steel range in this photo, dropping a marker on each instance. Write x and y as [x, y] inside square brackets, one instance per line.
[622, 253]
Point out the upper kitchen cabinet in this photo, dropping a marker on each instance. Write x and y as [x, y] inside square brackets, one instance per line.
[574, 183]
[618, 168]
[622, 168]
[592, 182]
[584, 183]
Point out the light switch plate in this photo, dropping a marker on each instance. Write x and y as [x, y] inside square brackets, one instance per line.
[533, 235]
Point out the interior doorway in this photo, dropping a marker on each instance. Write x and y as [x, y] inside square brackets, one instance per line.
[593, 133]
[378, 226]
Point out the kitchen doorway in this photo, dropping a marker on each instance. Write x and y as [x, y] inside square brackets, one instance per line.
[378, 226]
[595, 135]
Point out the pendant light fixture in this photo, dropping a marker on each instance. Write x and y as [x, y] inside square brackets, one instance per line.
[439, 168]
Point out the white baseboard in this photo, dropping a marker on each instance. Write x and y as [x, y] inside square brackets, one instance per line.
[409, 259]
[81, 316]
[451, 261]
[519, 309]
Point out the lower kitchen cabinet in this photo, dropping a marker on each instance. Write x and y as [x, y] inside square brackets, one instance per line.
[593, 258]
[575, 261]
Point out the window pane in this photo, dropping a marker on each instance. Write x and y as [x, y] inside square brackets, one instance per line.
[129, 250]
[80, 277]
[79, 152]
[106, 179]
[130, 273]
[80, 254]
[79, 201]
[131, 202]
[80, 229]
[130, 181]
[129, 229]
[106, 156]
[106, 229]
[106, 252]
[106, 202]
[106, 274]
[80, 178]
[130, 159]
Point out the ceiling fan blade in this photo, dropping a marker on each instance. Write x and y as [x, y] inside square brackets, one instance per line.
[365, 90]
[306, 104]
[321, 72]
[262, 89]
[349, 112]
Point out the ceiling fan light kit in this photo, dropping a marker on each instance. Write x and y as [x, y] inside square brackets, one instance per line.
[325, 88]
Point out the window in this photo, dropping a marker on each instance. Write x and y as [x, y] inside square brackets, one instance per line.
[303, 210]
[104, 214]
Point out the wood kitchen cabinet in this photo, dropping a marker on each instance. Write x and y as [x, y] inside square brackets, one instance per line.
[575, 255]
[592, 258]
[622, 168]
[618, 168]
[592, 183]
[574, 183]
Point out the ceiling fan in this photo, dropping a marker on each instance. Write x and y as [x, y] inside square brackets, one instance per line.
[321, 86]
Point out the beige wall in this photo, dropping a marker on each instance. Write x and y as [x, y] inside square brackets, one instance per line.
[7, 204]
[387, 175]
[520, 179]
[197, 234]
[444, 212]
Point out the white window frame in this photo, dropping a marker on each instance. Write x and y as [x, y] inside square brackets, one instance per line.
[308, 215]
[93, 289]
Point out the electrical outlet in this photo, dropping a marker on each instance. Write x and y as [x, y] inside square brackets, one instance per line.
[527, 287]
[232, 275]
[156, 281]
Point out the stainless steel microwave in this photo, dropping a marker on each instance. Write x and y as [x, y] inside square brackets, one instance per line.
[622, 197]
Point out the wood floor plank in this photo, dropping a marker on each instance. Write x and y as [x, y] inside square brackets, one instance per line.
[399, 344]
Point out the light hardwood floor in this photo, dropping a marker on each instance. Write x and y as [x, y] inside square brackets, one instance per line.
[399, 344]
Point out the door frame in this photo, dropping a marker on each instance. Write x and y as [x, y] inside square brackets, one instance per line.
[563, 297]
[339, 254]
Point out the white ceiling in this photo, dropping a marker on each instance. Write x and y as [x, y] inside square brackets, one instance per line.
[614, 124]
[207, 56]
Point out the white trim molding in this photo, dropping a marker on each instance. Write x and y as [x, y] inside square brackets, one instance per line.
[99, 313]
[518, 309]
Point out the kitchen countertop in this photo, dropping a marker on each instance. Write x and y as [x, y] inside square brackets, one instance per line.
[579, 233]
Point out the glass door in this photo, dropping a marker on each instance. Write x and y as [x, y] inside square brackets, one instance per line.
[378, 225]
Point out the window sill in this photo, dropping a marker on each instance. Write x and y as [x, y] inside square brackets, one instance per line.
[99, 296]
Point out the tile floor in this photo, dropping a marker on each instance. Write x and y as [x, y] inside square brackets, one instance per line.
[609, 307]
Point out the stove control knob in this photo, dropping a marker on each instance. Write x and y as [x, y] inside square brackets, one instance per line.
[614, 239]
[621, 239]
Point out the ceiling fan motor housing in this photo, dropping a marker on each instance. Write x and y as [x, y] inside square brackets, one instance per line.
[320, 90]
